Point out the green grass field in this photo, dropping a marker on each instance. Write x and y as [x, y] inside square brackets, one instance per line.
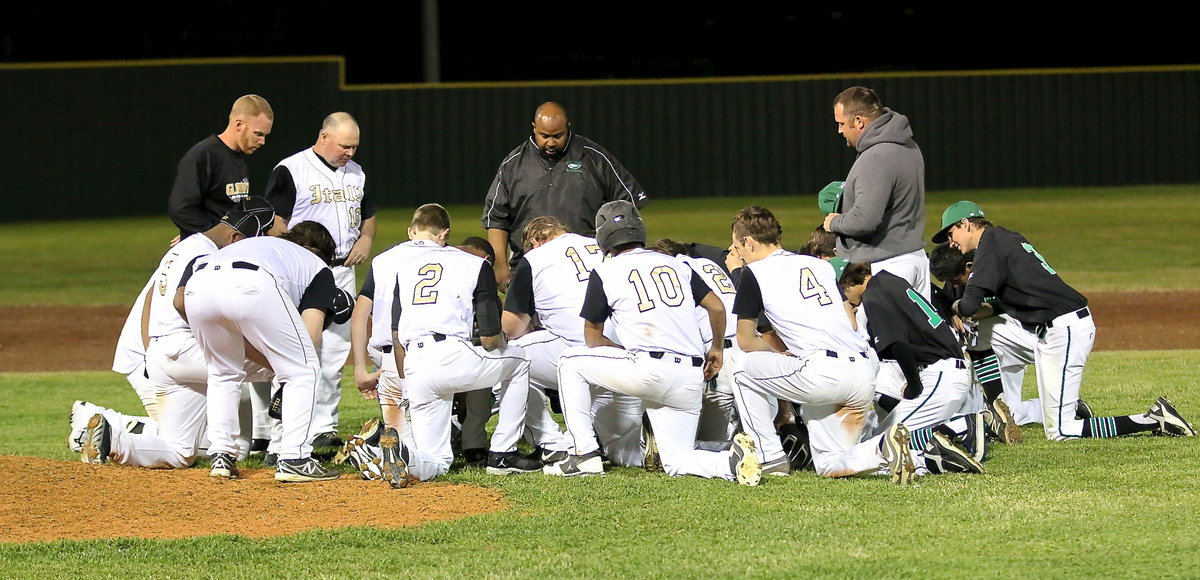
[1123, 507]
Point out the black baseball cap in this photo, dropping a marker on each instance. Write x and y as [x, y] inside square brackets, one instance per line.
[252, 217]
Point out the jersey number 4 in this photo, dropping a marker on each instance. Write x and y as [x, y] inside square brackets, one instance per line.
[811, 288]
[666, 282]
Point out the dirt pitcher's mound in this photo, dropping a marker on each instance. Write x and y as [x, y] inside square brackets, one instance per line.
[42, 500]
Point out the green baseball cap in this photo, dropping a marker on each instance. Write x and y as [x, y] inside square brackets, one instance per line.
[829, 198]
[839, 266]
[954, 214]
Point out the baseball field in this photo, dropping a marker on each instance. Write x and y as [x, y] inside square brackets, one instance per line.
[1119, 507]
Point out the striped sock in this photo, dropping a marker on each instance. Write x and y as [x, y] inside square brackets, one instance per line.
[1105, 427]
[1100, 427]
[920, 438]
[987, 371]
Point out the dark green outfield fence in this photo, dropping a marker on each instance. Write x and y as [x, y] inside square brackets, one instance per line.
[88, 141]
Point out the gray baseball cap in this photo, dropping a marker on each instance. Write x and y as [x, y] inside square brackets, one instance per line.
[252, 217]
[618, 222]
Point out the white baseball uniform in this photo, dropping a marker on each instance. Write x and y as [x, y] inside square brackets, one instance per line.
[129, 359]
[177, 372]
[1014, 347]
[437, 293]
[304, 187]
[826, 369]
[254, 291]
[651, 298]
[548, 284]
[717, 413]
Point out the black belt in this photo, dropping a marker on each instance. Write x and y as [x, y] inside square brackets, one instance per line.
[696, 361]
[1081, 313]
[244, 266]
[386, 349]
[437, 337]
[1040, 329]
[834, 354]
[728, 343]
[958, 363]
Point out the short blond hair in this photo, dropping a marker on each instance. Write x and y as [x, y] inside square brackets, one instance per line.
[251, 106]
[541, 229]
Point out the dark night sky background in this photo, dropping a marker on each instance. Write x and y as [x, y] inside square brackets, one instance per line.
[613, 40]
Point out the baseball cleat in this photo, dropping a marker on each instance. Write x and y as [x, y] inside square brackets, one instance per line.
[1000, 423]
[573, 465]
[942, 455]
[794, 437]
[780, 467]
[1083, 410]
[224, 465]
[897, 452]
[975, 439]
[270, 459]
[743, 460]
[547, 456]
[475, 457]
[81, 413]
[395, 459]
[97, 441]
[651, 458]
[369, 434]
[303, 471]
[511, 463]
[1170, 422]
[365, 458]
[329, 439]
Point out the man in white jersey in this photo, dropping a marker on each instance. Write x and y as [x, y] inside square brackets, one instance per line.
[323, 184]
[267, 299]
[549, 282]
[717, 417]
[436, 293]
[811, 355]
[175, 364]
[129, 359]
[661, 359]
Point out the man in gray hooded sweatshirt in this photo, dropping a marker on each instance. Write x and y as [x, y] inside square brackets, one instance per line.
[882, 212]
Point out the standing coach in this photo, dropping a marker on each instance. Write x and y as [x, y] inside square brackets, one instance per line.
[556, 173]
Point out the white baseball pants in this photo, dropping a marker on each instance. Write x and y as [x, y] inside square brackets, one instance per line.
[1014, 347]
[670, 388]
[225, 305]
[1059, 359]
[434, 371]
[835, 393]
[946, 386]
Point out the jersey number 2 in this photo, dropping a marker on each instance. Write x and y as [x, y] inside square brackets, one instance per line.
[423, 292]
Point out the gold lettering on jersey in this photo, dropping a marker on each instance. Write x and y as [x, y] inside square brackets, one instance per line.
[326, 195]
[423, 292]
[238, 191]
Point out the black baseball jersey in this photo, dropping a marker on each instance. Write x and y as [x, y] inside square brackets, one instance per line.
[896, 313]
[208, 181]
[1008, 267]
[571, 188]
